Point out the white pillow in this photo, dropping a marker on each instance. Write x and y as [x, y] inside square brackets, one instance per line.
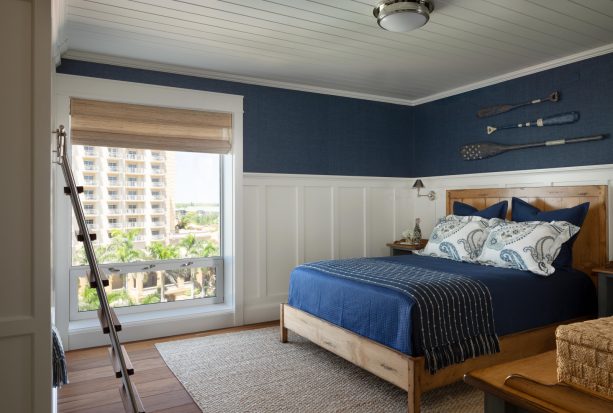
[458, 238]
[528, 246]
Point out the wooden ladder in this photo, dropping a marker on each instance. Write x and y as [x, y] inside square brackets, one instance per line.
[108, 319]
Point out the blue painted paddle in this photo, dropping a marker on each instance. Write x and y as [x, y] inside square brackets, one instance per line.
[559, 119]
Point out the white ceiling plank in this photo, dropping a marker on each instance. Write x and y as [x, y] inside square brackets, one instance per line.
[553, 18]
[444, 44]
[337, 45]
[603, 20]
[145, 43]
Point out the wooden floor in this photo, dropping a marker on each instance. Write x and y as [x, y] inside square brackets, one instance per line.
[93, 387]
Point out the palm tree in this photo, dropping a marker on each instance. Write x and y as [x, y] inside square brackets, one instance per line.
[122, 246]
[182, 223]
[160, 251]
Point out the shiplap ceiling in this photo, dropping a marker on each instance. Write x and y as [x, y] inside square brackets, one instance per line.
[336, 44]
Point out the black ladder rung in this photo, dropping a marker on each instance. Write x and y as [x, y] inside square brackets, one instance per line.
[117, 365]
[105, 325]
[80, 237]
[67, 190]
[92, 280]
[127, 405]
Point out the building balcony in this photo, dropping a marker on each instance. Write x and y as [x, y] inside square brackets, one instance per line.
[114, 153]
[157, 197]
[157, 184]
[158, 236]
[115, 225]
[135, 184]
[90, 151]
[113, 168]
[134, 157]
[92, 226]
[114, 211]
[135, 171]
[158, 224]
[90, 197]
[139, 238]
[90, 211]
[158, 211]
[92, 168]
[90, 182]
[159, 157]
[135, 211]
[114, 183]
[138, 224]
[157, 171]
[135, 197]
[115, 197]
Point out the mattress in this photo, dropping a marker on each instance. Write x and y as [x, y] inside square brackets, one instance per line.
[521, 300]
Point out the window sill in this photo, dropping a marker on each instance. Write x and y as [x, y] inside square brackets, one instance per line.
[79, 326]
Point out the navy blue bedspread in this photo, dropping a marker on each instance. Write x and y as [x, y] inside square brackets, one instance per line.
[521, 300]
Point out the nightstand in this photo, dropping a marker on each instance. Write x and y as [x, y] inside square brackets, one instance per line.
[396, 248]
[605, 290]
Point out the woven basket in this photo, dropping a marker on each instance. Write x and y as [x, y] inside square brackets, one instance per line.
[585, 355]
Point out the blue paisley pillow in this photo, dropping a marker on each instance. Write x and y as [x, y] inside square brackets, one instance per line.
[457, 238]
[528, 246]
[523, 211]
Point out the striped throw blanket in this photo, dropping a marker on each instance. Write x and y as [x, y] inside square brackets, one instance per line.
[453, 314]
[60, 371]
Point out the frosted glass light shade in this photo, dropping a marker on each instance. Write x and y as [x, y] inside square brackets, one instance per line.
[402, 22]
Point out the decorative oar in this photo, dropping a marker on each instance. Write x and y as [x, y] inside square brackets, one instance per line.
[476, 151]
[560, 119]
[498, 109]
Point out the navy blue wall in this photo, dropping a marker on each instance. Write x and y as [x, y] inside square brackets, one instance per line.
[442, 126]
[297, 132]
[306, 133]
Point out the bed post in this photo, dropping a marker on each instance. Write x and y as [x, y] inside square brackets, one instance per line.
[283, 330]
[416, 366]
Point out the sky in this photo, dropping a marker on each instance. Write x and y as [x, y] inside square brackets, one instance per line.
[197, 178]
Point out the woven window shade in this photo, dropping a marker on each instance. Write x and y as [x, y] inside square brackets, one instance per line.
[123, 125]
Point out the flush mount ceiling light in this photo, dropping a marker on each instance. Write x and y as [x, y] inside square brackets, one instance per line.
[402, 15]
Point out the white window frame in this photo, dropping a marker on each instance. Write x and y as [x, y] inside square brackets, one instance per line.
[142, 266]
[82, 333]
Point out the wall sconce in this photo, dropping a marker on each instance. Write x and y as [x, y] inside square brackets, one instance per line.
[419, 185]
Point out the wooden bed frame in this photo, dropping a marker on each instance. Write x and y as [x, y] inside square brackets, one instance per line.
[409, 373]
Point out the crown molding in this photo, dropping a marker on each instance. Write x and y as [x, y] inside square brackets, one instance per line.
[182, 70]
[586, 54]
[188, 71]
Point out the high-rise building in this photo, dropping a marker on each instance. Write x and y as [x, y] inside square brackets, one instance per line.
[127, 189]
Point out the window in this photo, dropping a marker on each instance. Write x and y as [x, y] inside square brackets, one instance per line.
[181, 251]
[89, 165]
[89, 194]
[113, 166]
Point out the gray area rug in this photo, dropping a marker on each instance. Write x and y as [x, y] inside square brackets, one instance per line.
[251, 371]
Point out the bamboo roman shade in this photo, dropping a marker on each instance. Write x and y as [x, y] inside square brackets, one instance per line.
[98, 123]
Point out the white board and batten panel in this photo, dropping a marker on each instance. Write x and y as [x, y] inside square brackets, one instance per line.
[292, 219]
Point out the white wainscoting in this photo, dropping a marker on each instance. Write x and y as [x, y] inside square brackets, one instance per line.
[291, 219]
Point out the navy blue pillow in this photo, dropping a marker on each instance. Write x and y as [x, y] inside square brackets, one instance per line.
[498, 210]
[522, 211]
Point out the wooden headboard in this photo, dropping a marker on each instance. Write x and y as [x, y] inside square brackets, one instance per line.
[590, 249]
